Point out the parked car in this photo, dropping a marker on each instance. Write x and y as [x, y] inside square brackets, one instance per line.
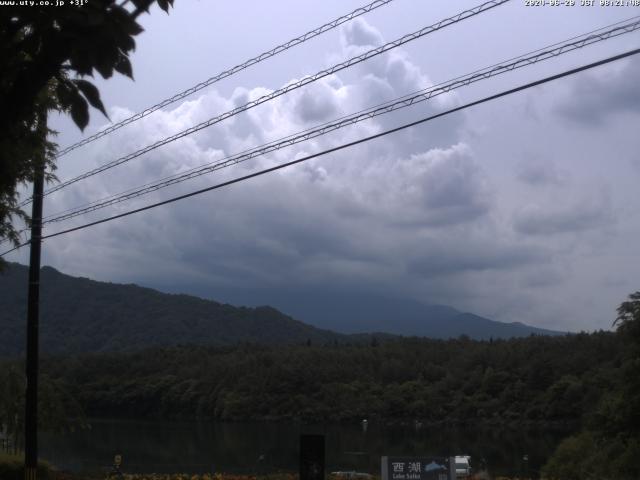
[463, 467]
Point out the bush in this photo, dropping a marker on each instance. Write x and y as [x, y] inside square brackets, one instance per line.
[572, 460]
[12, 468]
[581, 457]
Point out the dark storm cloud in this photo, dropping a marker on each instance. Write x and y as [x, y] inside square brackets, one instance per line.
[455, 190]
[460, 257]
[596, 96]
[542, 277]
[536, 173]
[590, 214]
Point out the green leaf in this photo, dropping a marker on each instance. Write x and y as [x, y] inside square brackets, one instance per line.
[143, 4]
[164, 5]
[123, 66]
[122, 39]
[81, 61]
[133, 28]
[104, 67]
[64, 94]
[80, 112]
[95, 17]
[92, 94]
[107, 57]
[122, 20]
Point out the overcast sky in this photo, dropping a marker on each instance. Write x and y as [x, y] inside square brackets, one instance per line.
[525, 209]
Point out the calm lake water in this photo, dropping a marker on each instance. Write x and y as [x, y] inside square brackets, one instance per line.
[250, 448]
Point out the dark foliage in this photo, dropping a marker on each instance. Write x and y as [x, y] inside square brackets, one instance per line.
[12, 468]
[81, 315]
[608, 447]
[58, 411]
[40, 47]
[455, 381]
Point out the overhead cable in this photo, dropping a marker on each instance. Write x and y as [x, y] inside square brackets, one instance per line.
[227, 73]
[286, 89]
[402, 102]
[345, 145]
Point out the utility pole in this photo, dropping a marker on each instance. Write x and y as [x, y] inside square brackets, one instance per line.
[31, 401]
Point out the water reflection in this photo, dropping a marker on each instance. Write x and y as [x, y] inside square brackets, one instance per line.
[198, 447]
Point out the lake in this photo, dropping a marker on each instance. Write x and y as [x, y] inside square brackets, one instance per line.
[255, 447]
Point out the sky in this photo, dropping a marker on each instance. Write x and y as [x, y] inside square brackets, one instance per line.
[522, 209]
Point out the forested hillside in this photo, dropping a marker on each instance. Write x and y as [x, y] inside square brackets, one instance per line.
[82, 315]
[78, 315]
[532, 380]
[588, 383]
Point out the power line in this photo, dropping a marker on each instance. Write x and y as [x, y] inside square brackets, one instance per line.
[18, 233]
[387, 107]
[347, 145]
[227, 73]
[15, 248]
[393, 105]
[201, 169]
[288, 88]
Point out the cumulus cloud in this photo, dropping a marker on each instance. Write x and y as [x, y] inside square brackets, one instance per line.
[438, 187]
[359, 33]
[317, 104]
[337, 216]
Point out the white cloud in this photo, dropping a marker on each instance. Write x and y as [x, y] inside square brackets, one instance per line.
[335, 215]
[359, 33]
[435, 188]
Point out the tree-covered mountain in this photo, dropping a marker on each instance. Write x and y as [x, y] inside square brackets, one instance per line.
[81, 315]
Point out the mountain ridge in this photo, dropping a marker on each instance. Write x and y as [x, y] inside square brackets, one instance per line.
[351, 313]
[83, 315]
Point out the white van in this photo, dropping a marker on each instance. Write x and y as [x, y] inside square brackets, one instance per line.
[463, 468]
